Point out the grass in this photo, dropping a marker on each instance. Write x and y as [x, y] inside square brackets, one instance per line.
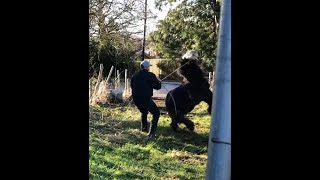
[118, 150]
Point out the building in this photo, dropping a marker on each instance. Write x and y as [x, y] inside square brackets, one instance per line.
[154, 68]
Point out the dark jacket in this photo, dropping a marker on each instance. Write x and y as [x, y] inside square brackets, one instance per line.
[143, 83]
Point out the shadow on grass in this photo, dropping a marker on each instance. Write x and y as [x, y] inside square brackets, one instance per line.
[119, 138]
[109, 170]
[118, 146]
[128, 175]
[192, 142]
[129, 132]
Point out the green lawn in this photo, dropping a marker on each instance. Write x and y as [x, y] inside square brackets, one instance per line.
[118, 150]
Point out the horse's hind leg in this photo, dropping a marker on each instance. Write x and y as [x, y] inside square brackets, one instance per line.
[174, 123]
[182, 118]
[188, 123]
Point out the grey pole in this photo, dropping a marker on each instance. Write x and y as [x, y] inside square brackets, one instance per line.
[144, 30]
[219, 147]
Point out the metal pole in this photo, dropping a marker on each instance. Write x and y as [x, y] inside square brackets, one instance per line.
[219, 148]
[144, 31]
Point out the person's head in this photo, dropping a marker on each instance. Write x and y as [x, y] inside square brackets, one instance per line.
[145, 65]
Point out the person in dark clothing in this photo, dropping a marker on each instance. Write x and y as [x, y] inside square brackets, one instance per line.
[142, 85]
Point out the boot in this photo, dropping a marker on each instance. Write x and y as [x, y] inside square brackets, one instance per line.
[154, 123]
[144, 127]
[152, 131]
[174, 126]
[144, 122]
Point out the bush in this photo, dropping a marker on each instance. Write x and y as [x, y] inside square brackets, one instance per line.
[109, 56]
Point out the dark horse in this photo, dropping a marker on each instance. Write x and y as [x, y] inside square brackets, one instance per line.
[195, 88]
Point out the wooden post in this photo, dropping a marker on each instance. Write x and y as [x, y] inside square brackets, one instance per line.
[212, 75]
[89, 89]
[212, 81]
[125, 81]
[99, 79]
[118, 79]
[115, 78]
[128, 85]
[115, 73]
[110, 72]
[100, 72]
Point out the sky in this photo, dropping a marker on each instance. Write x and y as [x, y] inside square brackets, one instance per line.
[151, 24]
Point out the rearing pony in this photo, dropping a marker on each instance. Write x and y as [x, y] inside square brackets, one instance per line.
[194, 89]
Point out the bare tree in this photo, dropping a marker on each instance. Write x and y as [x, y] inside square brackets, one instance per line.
[109, 17]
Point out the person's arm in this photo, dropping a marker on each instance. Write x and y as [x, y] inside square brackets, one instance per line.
[155, 83]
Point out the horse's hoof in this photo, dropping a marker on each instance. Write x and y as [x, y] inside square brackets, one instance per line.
[174, 127]
[191, 128]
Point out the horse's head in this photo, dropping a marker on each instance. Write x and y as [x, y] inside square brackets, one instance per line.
[191, 57]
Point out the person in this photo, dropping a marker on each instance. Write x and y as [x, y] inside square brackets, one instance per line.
[142, 85]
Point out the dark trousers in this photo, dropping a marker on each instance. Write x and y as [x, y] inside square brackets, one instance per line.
[146, 105]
